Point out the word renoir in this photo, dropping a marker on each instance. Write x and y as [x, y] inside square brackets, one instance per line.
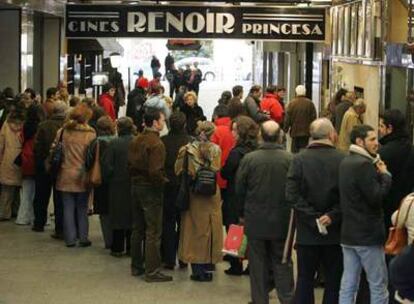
[194, 22]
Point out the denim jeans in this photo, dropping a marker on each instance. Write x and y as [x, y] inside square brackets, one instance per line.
[372, 260]
[75, 205]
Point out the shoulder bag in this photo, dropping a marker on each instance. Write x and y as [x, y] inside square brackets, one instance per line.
[183, 197]
[95, 175]
[398, 236]
[57, 157]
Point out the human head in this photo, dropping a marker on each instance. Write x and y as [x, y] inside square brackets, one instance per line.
[52, 93]
[238, 91]
[90, 102]
[256, 91]
[157, 89]
[109, 88]
[105, 126]
[74, 101]
[195, 64]
[140, 73]
[365, 137]
[29, 92]
[125, 126]
[154, 118]
[35, 113]
[157, 75]
[177, 122]
[339, 95]
[225, 97]
[300, 90]
[190, 98]
[8, 93]
[60, 108]
[81, 114]
[359, 106]
[235, 107]
[26, 100]
[182, 89]
[271, 89]
[245, 130]
[205, 129]
[17, 115]
[322, 128]
[187, 67]
[281, 92]
[392, 121]
[221, 111]
[270, 131]
[350, 96]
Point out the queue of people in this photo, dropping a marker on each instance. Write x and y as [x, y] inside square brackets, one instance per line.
[165, 181]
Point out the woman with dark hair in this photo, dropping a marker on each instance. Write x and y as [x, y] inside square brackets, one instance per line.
[225, 97]
[201, 234]
[72, 179]
[336, 100]
[106, 100]
[236, 108]
[105, 129]
[34, 116]
[116, 175]
[245, 132]
[10, 173]
[7, 104]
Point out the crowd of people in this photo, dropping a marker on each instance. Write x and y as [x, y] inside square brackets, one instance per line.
[164, 180]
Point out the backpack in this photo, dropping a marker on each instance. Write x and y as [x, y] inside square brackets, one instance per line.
[205, 181]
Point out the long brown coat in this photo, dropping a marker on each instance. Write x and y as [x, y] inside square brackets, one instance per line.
[201, 236]
[10, 148]
[72, 176]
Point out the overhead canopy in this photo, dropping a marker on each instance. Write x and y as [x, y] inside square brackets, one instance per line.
[107, 45]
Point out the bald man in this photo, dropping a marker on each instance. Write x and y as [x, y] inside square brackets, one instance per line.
[260, 185]
[313, 191]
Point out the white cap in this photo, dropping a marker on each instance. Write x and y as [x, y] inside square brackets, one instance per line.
[300, 90]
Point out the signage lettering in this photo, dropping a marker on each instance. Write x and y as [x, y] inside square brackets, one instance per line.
[195, 22]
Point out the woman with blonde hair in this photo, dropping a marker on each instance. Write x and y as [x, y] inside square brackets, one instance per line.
[193, 112]
[201, 235]
[72, 180]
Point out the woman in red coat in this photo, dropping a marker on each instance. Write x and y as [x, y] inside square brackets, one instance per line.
[106, 100]
[270, 104]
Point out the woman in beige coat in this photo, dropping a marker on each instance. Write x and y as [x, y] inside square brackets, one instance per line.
[10, 173]
[72, 179]
[201, 235]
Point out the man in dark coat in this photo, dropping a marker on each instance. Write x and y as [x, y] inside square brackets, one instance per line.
[46, 133]
[176, 138]
[395, 150]
[363, 183]
[135, 107]
[146, 160]
[169, 62]
[312, 189]
[260, 185]
[252, 105]
[340, 109]
[116, 175]
[300, 113]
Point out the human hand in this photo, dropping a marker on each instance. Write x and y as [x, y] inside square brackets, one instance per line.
[241, 221]
[325, 220]
[381, 167]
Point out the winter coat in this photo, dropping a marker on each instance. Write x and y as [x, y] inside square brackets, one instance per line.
[223, 137]
[406, 212]
[362, 191]
[135, 107]
[350, 120]
[260, 184]
[300, 113]
[72, 176]
[193, 115]
[231, 208]
[340, 110]
[146, 158]
[270, 104]
[201, 233]
[402, 273]
[159, 103]
[27, 155]
[397, 153]
[101, 192]
[173, 143]
[312, 189]
[252, 106]
[116, 175]
[106, 101]
[10, 148]
[46, 133]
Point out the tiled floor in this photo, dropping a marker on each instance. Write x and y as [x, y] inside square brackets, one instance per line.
[35, 269]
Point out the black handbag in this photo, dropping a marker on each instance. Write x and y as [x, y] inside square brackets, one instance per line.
[57, 157]
[182, 201]
[205, 181]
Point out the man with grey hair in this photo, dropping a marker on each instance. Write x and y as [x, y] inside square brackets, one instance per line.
[300, 113]
[260, 186]
[353, 117]
[313, 192]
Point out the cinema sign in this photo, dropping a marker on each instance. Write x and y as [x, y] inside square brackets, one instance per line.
[86, 21]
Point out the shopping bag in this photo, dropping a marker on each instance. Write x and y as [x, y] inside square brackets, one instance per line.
[235, 243]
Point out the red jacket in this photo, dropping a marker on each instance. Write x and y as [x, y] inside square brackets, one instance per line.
[271, 104]
[223, 137]
[28, 162]
[106, 101]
